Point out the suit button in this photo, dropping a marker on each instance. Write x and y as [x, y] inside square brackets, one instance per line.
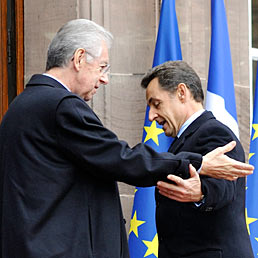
[157, 204]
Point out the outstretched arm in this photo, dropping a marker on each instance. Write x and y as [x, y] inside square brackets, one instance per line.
[216, 164]
[190, 190]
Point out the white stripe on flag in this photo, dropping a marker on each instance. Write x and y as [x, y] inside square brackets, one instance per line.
[216, 104]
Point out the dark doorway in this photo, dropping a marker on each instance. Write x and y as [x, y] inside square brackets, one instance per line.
[11, 52]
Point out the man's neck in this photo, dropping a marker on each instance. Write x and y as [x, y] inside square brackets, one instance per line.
[194, 111]
[62, 75]
[192, 108]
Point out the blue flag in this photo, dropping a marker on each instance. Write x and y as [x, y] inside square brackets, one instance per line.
[143, 239]
[220, 98]
[252, 180]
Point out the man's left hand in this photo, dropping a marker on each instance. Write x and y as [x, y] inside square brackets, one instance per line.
[184, 190]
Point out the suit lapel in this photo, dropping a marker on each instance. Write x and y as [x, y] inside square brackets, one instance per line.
[176, 144]
[179, 142]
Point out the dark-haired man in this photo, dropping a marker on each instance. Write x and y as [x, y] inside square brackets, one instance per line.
[211, 222]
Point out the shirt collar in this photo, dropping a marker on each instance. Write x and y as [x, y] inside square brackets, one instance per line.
[53, 77]
[189, 121]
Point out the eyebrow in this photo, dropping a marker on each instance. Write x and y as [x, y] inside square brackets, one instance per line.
[104, 63]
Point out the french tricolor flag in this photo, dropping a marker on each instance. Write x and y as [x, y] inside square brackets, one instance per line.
[220, 98]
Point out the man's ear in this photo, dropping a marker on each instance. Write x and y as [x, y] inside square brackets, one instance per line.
[181, 91]
[78, 58]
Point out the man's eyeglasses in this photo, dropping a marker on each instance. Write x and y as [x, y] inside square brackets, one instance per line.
[103, 68]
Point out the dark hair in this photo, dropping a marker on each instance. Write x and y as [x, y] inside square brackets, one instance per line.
[170, 74]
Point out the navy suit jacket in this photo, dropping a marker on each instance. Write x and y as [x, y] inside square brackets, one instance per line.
[58, 171]
[217, 228]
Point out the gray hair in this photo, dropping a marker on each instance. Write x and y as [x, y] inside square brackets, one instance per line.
[170, 74]
[78, 33]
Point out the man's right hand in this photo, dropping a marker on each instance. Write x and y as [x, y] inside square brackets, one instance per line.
[216, 164]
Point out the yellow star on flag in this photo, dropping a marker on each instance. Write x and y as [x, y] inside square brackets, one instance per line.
[135, 224]
[152, 246]
[153, 132]
[249, 221]
[250, 155]
[255, 127]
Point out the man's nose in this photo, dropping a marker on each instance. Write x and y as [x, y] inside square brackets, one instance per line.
[104, 78]
[152, 115]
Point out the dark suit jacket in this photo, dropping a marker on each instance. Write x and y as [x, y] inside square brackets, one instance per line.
[216, 229]
[58, 171]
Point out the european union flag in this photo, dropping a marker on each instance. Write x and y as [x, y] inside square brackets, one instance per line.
[220, 98]
[143, 239]
[252, 180]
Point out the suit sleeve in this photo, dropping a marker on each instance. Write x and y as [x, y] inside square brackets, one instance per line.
[218, 192]
[88, 144]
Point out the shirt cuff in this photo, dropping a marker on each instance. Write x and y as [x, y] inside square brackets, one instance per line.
[199, 170]
[201, 202]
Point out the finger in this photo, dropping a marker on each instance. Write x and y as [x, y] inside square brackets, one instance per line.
[240, 169]
[166, 186]
[239, 165]
[230, 178]
[168, 195]
[176, 179]
[244, 166]
[241, 173]
[173, 196]
[173, 190]
[192, 171]
[228, 147]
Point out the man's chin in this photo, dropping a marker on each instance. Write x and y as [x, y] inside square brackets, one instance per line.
[167, 133]
[89, 96]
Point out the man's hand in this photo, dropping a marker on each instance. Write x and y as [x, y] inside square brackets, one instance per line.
[216, 164]
[188, 190]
